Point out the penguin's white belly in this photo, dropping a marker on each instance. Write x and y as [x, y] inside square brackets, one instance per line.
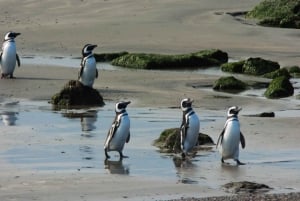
[89, 72]
[192, 133]
[231, 140]
[8, 59]
[119, 138]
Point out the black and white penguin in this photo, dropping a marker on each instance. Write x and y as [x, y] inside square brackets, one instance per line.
[231, 136]
[189, 129]
[9, 56]
[119, 133]
[88, 70]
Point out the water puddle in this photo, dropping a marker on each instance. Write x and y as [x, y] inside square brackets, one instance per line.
[72, 140]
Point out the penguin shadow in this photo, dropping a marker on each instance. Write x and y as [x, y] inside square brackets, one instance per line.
[186, 170]
[116, 167]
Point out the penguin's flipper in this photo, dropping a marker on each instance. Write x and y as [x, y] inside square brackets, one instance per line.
[96, 73]
[18, 60]
[182, 134]
[243, 141]
[80, 72]
[128, 138]
[0, 55]
[220, 138]
[110, 135]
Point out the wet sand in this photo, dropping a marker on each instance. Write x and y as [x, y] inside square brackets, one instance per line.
[148, 26]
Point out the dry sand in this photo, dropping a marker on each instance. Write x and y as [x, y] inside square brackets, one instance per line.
[61, 28]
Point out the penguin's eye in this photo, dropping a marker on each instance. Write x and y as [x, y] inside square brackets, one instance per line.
[186, 104]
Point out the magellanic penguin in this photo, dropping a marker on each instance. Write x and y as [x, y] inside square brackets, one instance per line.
[189, 129]
[231, 136]
[88, 70]
[9, 56]
[119, 133]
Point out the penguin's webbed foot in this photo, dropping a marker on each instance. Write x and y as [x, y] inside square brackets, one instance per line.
[222, 160]
[122, 156]
[106, 154]
[183, 156]
[239, 162]
[11, 76]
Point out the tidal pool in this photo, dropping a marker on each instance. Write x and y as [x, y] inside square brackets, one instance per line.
[72, 140]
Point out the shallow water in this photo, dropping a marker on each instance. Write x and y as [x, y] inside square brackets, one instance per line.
[72, 140]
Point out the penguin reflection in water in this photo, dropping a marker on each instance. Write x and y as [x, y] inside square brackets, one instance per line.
[9, 56]
[119, 133]
[231, 136]
[88, 70]
[189, 129]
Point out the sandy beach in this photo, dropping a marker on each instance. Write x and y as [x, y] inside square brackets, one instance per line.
[169, 26]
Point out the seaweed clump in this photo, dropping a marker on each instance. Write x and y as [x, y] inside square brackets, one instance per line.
[199, 59]
[74, 93]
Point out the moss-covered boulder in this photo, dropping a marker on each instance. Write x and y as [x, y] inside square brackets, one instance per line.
[277, 13]
[277, 73]
[229, 84]
[200, 59]
[108, 57]
[259, 66]
[169, 140]
[279, 87]
[74, 93]
[294, 71]
[251, 66]
[246, 187]
[233, 67]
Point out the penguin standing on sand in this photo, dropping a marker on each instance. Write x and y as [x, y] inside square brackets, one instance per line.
[189, 129]
[231, 136]
[9, 56]
[119, 133]
[88, 71]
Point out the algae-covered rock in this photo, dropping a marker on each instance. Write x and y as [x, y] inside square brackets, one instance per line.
[74, 93]
[259, 66]
[294, 71]
[277, 13]
[246, 187]
[233, 67]
[279, 87]
[229, 83]
[169, 140]
[204, 58]
[107, 57]
[277, 73]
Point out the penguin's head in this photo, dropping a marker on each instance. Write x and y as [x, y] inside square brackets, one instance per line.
[121, 106]
[186, 104]
[233, 111]
[11, 35]
[87, 49]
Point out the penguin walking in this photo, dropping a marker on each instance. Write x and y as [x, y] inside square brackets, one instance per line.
[119, 133]
[189, 129]
[231, 136]
[9, 56]
[88, 70]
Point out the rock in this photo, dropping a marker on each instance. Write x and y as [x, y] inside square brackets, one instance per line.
[169, 140]
[263, 114]
[259, 66]
[278, 73]
[200, 59]
[279, 87]
[277, 13]
[294, 71]
[233, 67]
[246, 187]
[74, 93]
[229, 84]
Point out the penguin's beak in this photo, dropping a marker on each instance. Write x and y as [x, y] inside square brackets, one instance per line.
[94, 46]
[126, 103]
[16, 34]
